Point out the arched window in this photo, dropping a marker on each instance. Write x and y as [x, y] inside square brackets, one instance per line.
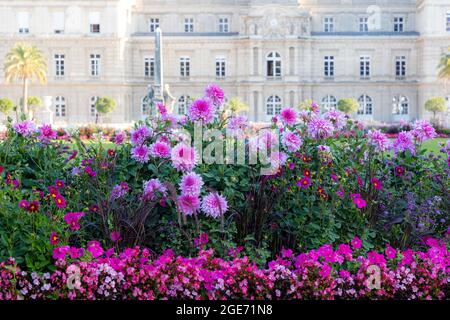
[400, 105]
[329, 102]
[273, 105]
[93, 109]
[273, 64]
[60, 107]
[183, 104]
[365, 105]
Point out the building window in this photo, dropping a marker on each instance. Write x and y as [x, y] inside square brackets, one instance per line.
[188, 24]
[365, 105]
[273, 105]
[398, 24]
[329, 102]
[328, 24]
[59, 65]
[93, 109]
[273, 65]
[58, 22]
[95, 65]
[94, 22]
[400, 105]
[185, 67]
[183, 104]
[149, 67]
[145, 111]
[447, 21]
[364, 67]
[363, 24]
[24, 22]
[328, 66]
[224, 26]
[153, 24]
[221, 65]
[400, 67]
[60, 107]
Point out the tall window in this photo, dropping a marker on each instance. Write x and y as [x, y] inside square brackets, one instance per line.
[94, 22]
[59, 65]
[93, 110]
[328, 24]
[364, 67]
[221, 64]
[95, 65]
[328, 66]
[400, 66]
[153, 24]
[23, 19]
[329, 102]
[188, 24]
[58, 22]
[447, 21]
[273, 105]
[60, 107]
[400, 105]
[274, 64]
[185, 67]
[365, 105]
[363, 24]
[149, 67]
[224, 26]
[399, 24]
[183, 104]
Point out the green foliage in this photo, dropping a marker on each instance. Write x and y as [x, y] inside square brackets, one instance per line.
[235, 105]
[436, 105]
[105, 105]
[348, 105]
[6, 106]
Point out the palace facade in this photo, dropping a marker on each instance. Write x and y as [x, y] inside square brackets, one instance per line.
[271, 54]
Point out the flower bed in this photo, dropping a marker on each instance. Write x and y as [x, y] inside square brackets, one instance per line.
[344, 273]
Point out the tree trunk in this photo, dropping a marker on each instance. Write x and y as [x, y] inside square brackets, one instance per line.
[25, 97]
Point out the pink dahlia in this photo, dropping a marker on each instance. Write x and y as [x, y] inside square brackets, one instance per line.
[188, 204]
[237, 125]
[288, 116]
[378, 140]
[404, 142]
[214, 205]
[152, 189]
[214, 93]
[319, 128]
[336, 117]
[183, 157]
[25, 128]
[201, 110]
[291, 141]
[46, 133]
[160, 150]
[141, 153]
[423, 131]
[140, 134]
[72, 219]
[119, 138]
[191, 183]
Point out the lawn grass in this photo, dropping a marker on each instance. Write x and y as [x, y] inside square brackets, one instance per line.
[434, 145]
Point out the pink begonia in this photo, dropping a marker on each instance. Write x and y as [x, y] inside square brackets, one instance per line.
[423, 131]
[25, 128]
[140, 134]
[115, 236]
[356, 243]
[404, 142]
[191, 183]
[184, 157]
[153, 188]
[391, 253]
[214, 205]
[46, 133]
[95, 249]
[201, 110]
[160, 150]
[60, 252]
[288, 116]
[214, 93]
[188, 204]
[379, 140]
[319, 128]
[141, 153]
[291, 141]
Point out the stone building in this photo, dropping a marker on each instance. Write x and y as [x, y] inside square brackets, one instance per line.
[275, 53]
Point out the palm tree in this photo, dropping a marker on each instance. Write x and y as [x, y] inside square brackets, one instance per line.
[444, 66]
[25, 63]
